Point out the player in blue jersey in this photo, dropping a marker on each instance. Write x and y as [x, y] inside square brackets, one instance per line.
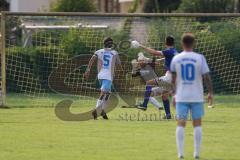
[189, 69]
[168, 54]
[107, 59]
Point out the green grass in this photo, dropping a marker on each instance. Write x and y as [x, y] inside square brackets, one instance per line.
[34, 133]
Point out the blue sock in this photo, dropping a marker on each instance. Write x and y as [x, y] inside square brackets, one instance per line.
[147, 95]
[166, 105]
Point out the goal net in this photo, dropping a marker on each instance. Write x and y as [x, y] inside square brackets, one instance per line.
[46, 55]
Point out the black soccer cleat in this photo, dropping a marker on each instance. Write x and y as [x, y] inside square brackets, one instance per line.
[167, 117]
[104, 115]
[94, 114]
[160, 108]
[140, 106]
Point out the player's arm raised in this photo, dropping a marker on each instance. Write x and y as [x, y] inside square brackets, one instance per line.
[208, 83]
[88, 69]
[154, 52]
[151, 51]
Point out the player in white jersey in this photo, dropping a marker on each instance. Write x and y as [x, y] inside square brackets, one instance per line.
[189, 69]
[107, 59]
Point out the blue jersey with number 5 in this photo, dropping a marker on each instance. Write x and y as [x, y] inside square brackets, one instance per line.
[189, 68]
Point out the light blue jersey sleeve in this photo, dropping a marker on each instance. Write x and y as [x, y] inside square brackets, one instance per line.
[205, 68]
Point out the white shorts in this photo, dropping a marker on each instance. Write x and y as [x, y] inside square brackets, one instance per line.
[166, 78]
[164, 84]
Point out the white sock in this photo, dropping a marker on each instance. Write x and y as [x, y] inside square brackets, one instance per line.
[180, 140]
[99, 103]
[104, 105]
[197, 140]
[155, 102]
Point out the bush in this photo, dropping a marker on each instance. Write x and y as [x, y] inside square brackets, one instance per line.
[228, 35]
[81, 41]
[4, 5]
[166, 6]
[73, 6]
[29, 68]
[206, 6]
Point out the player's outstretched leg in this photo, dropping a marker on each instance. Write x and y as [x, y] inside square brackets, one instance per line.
[155, 103]
[147, 94]
[155, 92]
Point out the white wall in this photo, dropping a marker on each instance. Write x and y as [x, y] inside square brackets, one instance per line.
[30, 5]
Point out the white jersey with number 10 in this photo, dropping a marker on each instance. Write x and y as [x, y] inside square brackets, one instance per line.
[107, 59]
[189, 68]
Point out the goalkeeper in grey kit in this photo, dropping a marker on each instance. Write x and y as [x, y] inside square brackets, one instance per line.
[145, 68]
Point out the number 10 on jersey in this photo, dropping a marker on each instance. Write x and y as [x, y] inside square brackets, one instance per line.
[188, 72]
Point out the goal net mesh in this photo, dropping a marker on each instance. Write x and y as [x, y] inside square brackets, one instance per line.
[46, 56]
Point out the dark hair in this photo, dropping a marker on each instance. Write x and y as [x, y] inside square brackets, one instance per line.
[169, 41]
[188, 40]
[108, 42]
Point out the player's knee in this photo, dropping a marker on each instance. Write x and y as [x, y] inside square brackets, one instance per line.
[197, 122]
[164, 97]
[153, 94]
[107, 96]
[150, 82]
[101, 96]
[181, 123]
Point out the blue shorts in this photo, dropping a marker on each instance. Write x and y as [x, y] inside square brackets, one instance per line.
[105, 85]
[196, 110]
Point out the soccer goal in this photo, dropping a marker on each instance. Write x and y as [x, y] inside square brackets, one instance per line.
[44, 55]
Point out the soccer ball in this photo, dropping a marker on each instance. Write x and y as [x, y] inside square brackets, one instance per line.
[135, 44]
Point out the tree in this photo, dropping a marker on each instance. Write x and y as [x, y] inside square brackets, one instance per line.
[207, 6]
[74, 6]
[4, 6]
[237, 6]
[152, 6]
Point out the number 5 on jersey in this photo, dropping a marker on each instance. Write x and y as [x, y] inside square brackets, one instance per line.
[106, 60]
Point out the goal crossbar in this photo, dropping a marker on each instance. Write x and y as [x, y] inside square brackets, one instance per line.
[122, 14]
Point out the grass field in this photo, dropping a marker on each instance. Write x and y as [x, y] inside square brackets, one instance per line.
[35, 133]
